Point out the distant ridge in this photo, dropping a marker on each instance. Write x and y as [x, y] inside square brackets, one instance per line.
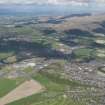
[76, 15]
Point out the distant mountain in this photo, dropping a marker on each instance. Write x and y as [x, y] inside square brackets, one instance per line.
[76, 15]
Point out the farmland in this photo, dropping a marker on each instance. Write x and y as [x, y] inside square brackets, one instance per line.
[65, 60]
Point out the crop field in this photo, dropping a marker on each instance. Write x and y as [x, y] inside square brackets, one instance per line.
[23, 90]
[6, 85]
[55, 93]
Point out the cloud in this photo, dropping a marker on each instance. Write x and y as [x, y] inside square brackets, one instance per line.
[100, 1]
[53, 2]
[73, 2]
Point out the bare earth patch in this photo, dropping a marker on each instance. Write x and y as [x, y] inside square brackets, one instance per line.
[101, 73]
[25, 89]
[100, 41]
[101, 53]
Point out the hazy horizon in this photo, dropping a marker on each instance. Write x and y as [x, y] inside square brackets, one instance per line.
[49, 9]
[45, 10]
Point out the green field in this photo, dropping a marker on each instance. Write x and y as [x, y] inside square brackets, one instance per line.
[84, 54]
[7, 85]
[55, 92]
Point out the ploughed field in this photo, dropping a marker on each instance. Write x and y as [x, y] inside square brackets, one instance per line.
[52, 60]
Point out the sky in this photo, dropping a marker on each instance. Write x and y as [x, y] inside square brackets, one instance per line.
[54, 2]
[52, 6]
